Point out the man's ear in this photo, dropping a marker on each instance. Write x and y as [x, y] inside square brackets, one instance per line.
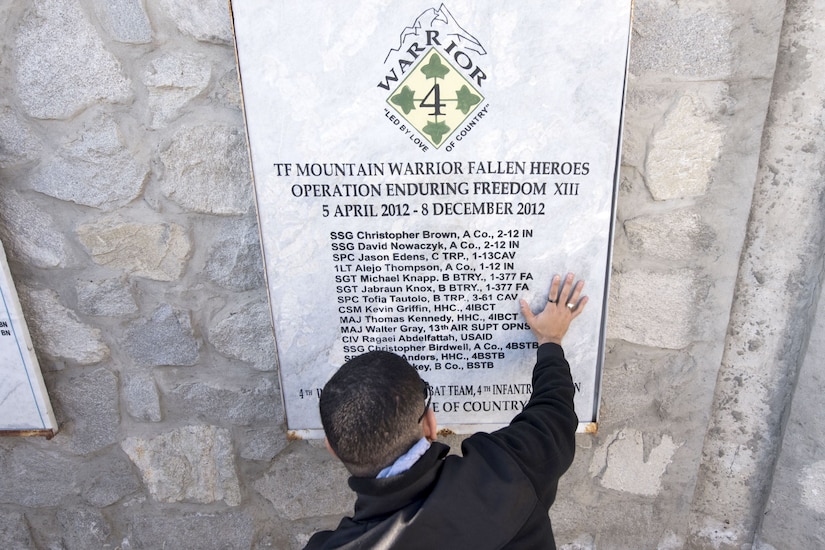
[329, 448]
[430, 426]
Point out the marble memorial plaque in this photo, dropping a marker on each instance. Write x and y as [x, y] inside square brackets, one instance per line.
[24, 404]
[419, 167]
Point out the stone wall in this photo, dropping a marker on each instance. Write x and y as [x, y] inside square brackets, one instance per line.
[127, 214]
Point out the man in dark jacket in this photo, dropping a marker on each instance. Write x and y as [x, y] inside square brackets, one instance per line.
[410, 494]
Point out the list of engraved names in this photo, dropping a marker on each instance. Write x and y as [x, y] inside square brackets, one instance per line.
[442, 290]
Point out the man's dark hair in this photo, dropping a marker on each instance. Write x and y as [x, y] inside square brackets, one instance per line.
[370, 410]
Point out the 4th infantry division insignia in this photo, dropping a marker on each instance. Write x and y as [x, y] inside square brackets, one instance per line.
[434, 80]
[435, 98]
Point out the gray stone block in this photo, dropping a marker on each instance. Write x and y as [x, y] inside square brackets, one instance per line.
[30, 233]
[141, 396]
[256, 401]
[655, 388]
[207, 20]
[18, 143]
[164, 339]
[235, 260]
[247, 335]
[190, 464]
[682, 40]
[679, 235]
[36, 478]
[92, 168]
[176, 529]
[83, 528]
[653, 309]
[307, 481]
[155, 251]
[88, 401]
[262, 443]
[14, 532]
[644, 108]
[50, 477]
[229, 89]
[57, 332]
[172, 81]
[684, 151]
[125, 20]
[107, 479]
[207, 170]
[62, 65]
[109, 297]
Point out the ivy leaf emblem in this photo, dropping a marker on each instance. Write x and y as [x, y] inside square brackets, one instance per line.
[466, 99]
[436, 130]
[435, 69]
[404, 99]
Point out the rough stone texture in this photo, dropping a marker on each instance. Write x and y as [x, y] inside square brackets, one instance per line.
[638, 516]
[14, 533]
[779, 279]
[256, 400]
[262, 443]
[17, 142]
[679, 235]
[681, 159]
[630, 462]
[156, 251]
[653, 309]
[141, 396]
[164, 339]
[682, 40]
[125, 20]
[297, 491]
[230, 90]
[647, 104]
[57, 332]
[109, 297]
[48, 477]
[653, 387]
[173, 80]
[63, 66]
[83, 528]
[207, 20]
[212, 531]
[584, 542]
[93, 168]
[89, 399]
[107, 480]
[190, 464]
[33, 477]
[234, 257]
[247, 335]
[812, 483]
[798, 486]
[29, 232]
[208, 170]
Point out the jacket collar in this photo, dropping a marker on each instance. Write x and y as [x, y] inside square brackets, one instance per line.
[381, 497]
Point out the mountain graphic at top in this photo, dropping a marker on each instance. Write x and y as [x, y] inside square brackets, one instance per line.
[437, 19]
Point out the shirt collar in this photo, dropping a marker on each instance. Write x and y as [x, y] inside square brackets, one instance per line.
[405, 461]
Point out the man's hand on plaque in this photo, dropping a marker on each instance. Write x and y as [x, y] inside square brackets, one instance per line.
[564, 303]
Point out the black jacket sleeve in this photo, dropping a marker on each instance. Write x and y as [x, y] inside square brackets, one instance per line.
[542, 436]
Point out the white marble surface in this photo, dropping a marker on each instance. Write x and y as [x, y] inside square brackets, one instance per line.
[24, 403]
[552, 93]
